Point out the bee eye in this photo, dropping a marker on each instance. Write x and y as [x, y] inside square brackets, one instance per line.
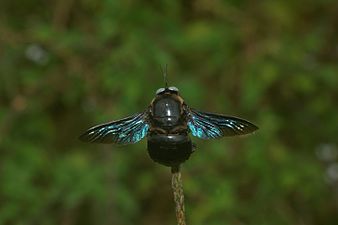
[160, 90]
[173, 89]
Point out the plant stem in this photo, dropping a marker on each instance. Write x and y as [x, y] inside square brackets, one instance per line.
[177, 185]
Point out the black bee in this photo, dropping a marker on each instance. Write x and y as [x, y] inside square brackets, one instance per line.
[166, 123]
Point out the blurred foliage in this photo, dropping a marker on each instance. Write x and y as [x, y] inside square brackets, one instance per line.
[69, 64]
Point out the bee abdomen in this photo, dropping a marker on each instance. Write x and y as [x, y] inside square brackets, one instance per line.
[169, 150]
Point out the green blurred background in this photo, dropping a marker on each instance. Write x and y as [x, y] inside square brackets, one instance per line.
[67, 65]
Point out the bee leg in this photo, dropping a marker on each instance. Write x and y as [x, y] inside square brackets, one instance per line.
[175, 169]
[194, 147]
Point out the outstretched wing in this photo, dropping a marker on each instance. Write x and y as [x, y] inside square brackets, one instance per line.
[208, 125]
[125, 131]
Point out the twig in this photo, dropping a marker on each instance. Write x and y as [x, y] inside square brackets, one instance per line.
[177, 185]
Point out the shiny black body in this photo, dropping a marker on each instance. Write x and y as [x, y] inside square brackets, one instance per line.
[167, 123]
[168, 140]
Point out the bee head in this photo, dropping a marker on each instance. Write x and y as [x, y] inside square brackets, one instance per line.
[167, 90]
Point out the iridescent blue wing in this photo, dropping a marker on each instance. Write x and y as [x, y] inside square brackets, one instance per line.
[125, 131]
[209, 125]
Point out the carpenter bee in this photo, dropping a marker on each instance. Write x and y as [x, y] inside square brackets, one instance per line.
[166, 123]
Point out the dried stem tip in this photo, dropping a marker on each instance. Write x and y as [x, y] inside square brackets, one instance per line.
[177, 186]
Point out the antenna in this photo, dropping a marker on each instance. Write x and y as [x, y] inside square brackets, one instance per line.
[165, 73]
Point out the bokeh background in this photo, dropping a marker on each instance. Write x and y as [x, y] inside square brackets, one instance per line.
[67, 65]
